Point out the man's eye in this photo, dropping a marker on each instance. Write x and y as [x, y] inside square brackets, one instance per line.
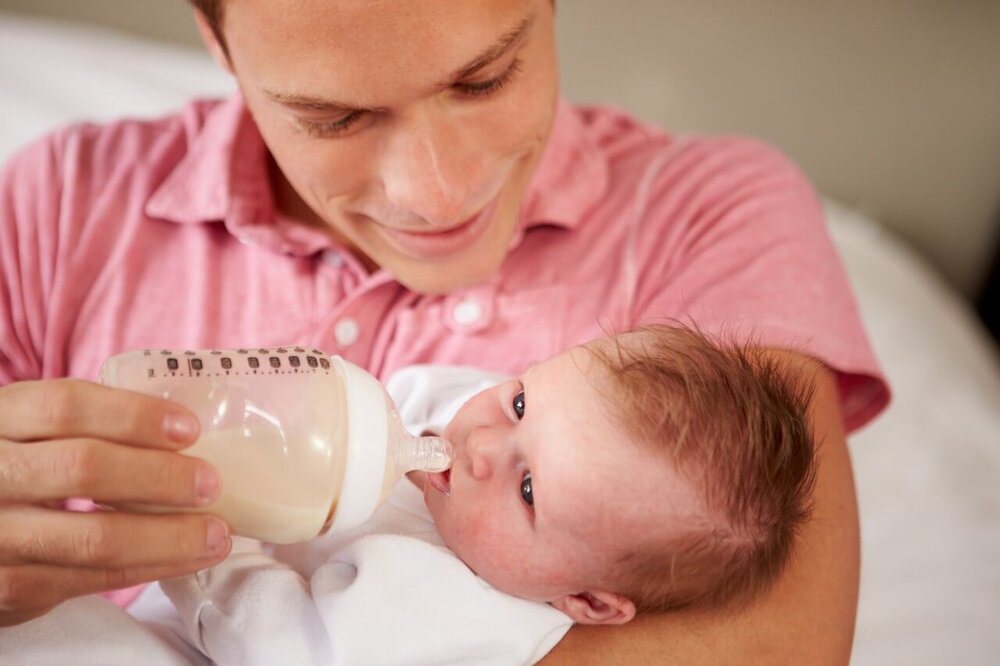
[494, 85]
[518, 405]
[331, 128]
[526, 493]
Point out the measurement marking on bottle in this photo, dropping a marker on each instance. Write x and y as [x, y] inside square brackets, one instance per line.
[195, 364]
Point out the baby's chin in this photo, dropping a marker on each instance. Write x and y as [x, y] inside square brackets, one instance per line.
[434, 503]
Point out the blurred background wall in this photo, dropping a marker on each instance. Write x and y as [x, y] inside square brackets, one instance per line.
[890, 106]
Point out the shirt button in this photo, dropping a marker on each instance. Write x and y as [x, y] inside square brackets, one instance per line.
[346, 332]
[467, 312]
[333, 258]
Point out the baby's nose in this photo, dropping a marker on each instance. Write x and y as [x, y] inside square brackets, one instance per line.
[480, 468]
[480, 448]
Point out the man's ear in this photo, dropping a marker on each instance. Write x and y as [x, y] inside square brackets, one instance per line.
[211, 42]
[596, 608]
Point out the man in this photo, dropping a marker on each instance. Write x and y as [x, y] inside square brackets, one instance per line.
[397, 182]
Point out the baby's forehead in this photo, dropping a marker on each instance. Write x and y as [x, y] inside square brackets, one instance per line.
[610, 481]
[645, 509]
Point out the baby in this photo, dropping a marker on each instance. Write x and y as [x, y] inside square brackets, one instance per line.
[645, 471]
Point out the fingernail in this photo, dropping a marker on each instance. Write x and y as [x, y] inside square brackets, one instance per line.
[216, 535]
[206, 484]
[181, 428]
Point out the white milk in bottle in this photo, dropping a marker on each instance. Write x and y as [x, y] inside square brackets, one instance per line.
[304, 443]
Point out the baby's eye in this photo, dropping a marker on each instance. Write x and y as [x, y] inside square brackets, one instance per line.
[518, 405]
[526, 493]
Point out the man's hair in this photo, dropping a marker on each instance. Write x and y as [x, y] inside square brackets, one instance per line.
[213, 11]
[732, 421]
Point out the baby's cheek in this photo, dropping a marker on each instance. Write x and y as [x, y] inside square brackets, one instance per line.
[481, 542]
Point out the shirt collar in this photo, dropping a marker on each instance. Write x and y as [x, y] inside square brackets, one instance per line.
[571, 177]
[200, 187]
[223, 177]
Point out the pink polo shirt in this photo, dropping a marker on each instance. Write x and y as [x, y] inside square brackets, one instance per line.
[150, 234]
[163, 234]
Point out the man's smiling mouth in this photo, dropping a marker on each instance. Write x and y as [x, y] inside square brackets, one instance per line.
[438, 244]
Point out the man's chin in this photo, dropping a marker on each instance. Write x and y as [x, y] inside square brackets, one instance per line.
[443, 277]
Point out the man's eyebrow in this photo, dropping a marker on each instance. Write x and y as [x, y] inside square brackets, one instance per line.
[494, 52]
[308, 103]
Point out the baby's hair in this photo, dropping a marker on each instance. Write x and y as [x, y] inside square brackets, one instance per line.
[733, 421]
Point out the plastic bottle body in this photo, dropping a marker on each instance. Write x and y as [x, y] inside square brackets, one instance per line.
[301, 441]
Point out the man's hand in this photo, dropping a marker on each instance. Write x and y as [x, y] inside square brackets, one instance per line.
[69, 438]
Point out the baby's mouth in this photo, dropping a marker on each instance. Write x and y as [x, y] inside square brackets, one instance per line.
[440, 481]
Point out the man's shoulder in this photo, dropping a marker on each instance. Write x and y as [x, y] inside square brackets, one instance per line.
[613, 131]
[120, 145]
[626, 140]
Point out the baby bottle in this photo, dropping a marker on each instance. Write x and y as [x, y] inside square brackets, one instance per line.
[304, 443]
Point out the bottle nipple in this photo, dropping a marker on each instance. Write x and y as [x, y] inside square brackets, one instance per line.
[426, 454]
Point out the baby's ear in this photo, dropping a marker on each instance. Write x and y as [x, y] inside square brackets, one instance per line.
[596, 608]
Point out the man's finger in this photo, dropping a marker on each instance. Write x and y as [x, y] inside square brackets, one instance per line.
[114, 541]
[105, 472]
[27, 591]
[68, 408]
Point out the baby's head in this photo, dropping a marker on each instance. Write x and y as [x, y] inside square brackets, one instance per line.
[646, 471]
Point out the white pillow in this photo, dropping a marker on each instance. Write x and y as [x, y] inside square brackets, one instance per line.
[928, 470]
[52, 74]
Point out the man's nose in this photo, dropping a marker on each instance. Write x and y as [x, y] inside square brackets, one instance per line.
[429, 172]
